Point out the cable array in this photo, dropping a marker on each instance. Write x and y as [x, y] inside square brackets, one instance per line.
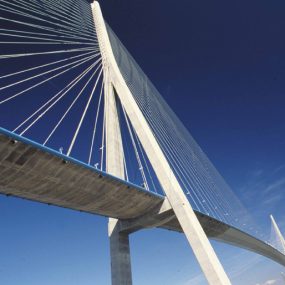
[204, 186]
[52, 90]
[52, 75]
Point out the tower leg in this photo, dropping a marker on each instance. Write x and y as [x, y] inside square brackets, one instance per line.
[119, 242]
[120, 254]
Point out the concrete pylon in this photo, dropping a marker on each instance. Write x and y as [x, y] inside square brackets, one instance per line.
[193, 230]
[119, 242]
[278, 234]
[120, 254]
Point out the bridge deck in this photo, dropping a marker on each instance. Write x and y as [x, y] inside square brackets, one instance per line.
[31, 171]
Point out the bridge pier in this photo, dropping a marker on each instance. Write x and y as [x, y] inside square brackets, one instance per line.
[120, 254]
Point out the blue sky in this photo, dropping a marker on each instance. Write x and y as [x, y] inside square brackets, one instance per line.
[221, 67]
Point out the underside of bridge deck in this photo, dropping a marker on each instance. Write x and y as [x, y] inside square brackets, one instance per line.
[33, 172]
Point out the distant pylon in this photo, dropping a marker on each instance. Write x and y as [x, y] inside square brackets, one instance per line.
[279, 237]
[283, 276]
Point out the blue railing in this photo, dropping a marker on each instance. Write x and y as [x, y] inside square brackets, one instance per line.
[64, 157]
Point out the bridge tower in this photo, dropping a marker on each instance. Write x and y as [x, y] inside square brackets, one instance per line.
[120, 255]
[279, 237]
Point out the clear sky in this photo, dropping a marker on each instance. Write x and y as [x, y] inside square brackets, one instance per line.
[221, 66]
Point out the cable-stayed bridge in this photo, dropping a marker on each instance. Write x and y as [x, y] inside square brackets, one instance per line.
[84, 128]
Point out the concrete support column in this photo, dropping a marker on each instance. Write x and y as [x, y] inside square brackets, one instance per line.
[120, 254]
[119, 242]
